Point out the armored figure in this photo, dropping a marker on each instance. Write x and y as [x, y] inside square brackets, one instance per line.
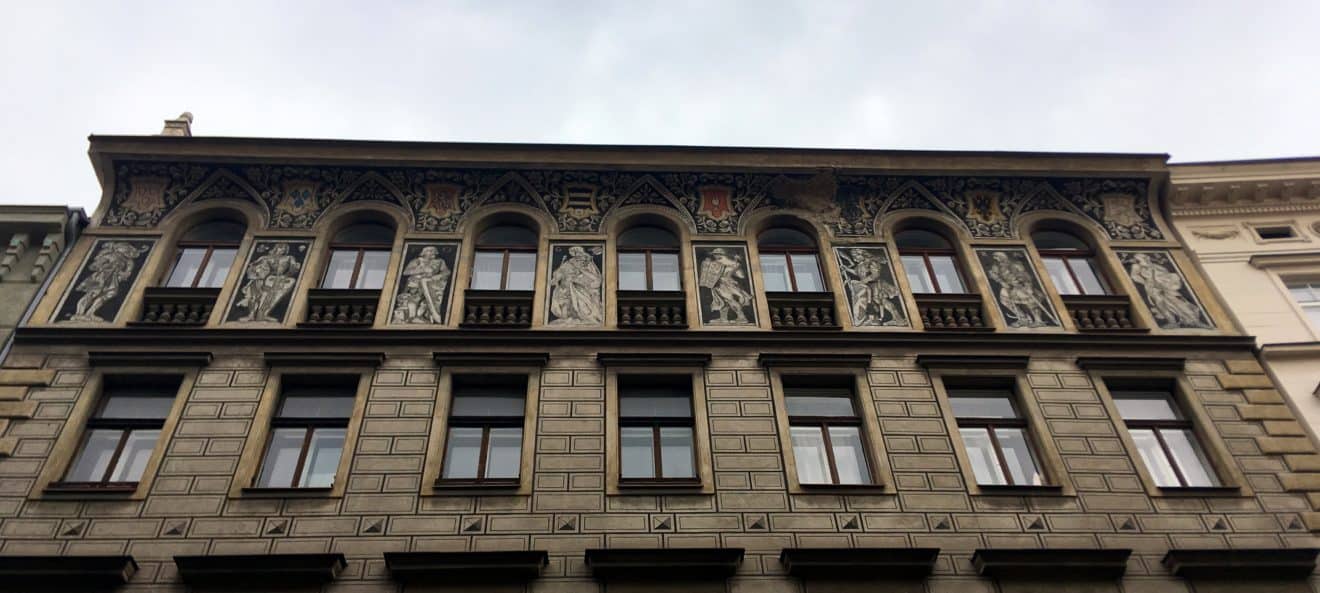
[722, 273]
[270, 278]
[112, 265]
[871, 290]
[575, 290]
[1018, 293]
[423, 295]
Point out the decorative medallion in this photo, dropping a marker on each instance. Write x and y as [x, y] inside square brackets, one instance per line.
[1164, 289]
[724, 285]
[575, 296]
[1017, 289]
[104, 280]
[868, 280]
[297, 206]
[716, 202]
[268, 281]
[425, 283]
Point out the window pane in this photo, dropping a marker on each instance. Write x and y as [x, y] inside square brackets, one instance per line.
[774, 272]
[664, 271]
[647, 236]
[281, 458]
[918, 277]
[1301, 292]
[136, 407]
[217, 268]
[981, 454]
[946, 273]
[186, 267]
[807, 272]
[339, 273]
[372, 273]
[92, 461]
[651, 405]
[322, 458]
[1058, 271]
[1153, 456]
[676, 452]
[488, 405]
[1313, 313]
[982, 407]
[813, 467]
[638, 458]
[133, 460]
[504, 452]
[632, 271]
[1142, 405]
[849, 456]
[1087, 274]
[522, 271]
[802, 405]
[1017, 454]
[487, 270]
[462, 452]
[1187, 454]
[303, 406]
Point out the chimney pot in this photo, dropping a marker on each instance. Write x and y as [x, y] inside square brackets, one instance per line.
[179, 126]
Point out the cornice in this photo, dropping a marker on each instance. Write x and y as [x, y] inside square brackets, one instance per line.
[348, 359]
[502, 358]
[654, 359]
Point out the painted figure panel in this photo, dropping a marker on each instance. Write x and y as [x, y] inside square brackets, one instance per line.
[1164, 288]
[576, 292]
[724, 285]
[868, 280]
[425, 283]
[103, 282]
[268, 281]
[1017, 288]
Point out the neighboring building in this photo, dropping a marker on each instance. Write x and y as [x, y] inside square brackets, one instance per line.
[1254, 226]
[382, 367]
[35, 238]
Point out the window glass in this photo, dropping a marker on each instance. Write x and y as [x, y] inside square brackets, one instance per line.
[216, 231]
[664, 271]
[1017, 454]
[647, 236]
[1058, 240]
[1137, 405]
[981, 454]
[917, 274]
[1086, 272]
[973, 406]
[946, 273]
[217, 268]
[339, 272]
[1148, 447]
[784, 237]
[813, 466]
[488, 404]
[372, 273]
[920, 239]
[488, 270]
[281, 462]
[849, 455]
[774, 272]
[462, 452]
[637, 459]
[641, 404]
[504, 453]
[1058, 271]
[632, 271]
[807, 272]
[133, 459]
[365, 233]
[136, 407]
[308, 406]
[522, 271]
[676, 452]
[1307, 295]
[507, 235]
[186, 267]
[323, 453]
[1187, 454]
[833, 406]
[91, 463]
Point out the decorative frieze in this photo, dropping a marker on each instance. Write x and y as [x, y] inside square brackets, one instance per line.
[1017, 289]
[1162, 285]
[724, 285]
[425, 283]
[104, 280]
[272, 272]
[575, 295]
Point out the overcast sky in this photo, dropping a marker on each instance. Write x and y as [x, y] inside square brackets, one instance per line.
[1201, 80]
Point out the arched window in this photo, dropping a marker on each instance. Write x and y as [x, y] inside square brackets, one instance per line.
[359, 256]
[930, 262]
[206, 253]
[1070, 263]
[506, 258]
[788, 261]
[648, 259]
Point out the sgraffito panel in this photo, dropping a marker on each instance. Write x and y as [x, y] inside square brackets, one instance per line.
[575, 295]
[269, 279]
[104, 280]
[425, 283]
[724, 286]
[1164, 289]
[868, 280]
[1017, 289]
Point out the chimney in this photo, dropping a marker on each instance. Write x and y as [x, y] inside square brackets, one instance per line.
[179, 126]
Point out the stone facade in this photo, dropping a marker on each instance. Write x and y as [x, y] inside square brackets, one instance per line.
[34, 238]
[195, 496]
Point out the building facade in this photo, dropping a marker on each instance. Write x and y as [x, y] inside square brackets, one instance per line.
[1254, 226]
[384, 367]
[35, 238]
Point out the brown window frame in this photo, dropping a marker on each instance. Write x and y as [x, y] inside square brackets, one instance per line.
[650, 274]
[824, 423]
[126, 426]
[504, 250]
[309, 426]
[485, 423]
[787, 251]
[361, 249]
[656, 423]
[990, 424]
[210, 247]
[924, 254]
[1067, 255]
[1156, 428]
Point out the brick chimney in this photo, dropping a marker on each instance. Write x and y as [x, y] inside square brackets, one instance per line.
[179, 126]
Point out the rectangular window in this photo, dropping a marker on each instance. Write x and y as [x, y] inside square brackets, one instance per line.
[123, 431]
[826, 432]
[1274, 233]
[1165, 438]
[308, 430]
[930, 273]
[656, 429]
[484, 442]
[1307, 295]
[356, 269]
[791, 272]
[504, 270]
[1074, 275]
[201, 267]
[996, 437]
[648, 270]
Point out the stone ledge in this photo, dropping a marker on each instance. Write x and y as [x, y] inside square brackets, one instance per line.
[1300, 482]
[1244, 367]
[7, 446]
[1228, 381]
[1284, 428]
[1302, 463]
[1275, 445]
[8, 392]
[1264, 412]
[1263, 396]
[12, 409]
[29, 377]
[1242, 564]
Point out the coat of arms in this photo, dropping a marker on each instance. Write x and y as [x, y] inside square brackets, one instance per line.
[580, 200]
[716, 201]
[1120, 209]
[299, 198]
[146, 195]
[441, 199]
[983, 206]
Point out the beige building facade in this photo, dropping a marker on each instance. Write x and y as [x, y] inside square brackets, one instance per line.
[377, 367]
[35, 239]
[1254, 227]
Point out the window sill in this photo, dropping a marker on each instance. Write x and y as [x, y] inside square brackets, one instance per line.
[111, 489]
[464, 488]
[255, 492]
[659, 486]
[995, 490]
[843, 489]
[1200, 491]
